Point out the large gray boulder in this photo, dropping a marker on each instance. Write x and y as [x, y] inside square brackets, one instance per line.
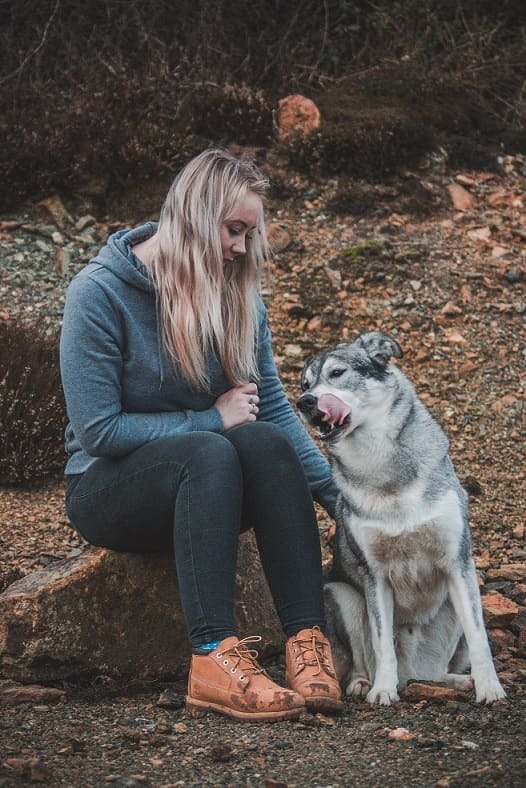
[117, 614]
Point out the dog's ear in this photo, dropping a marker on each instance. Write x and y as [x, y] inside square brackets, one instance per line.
[380, 347]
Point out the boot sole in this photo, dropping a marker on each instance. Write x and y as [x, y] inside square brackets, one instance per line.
[198, 707]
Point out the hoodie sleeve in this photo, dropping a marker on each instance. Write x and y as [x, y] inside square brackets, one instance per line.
[91, 359]
[275, 407]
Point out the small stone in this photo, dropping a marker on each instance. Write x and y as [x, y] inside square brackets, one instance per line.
[62, 258]
[83, 222]
[221, 753]
[180, 727]
[170, 700]
[499, 611]
[514, 275]
[401, 734]
[462, 200]
[451, 309]
[52, 209]
[469, 745]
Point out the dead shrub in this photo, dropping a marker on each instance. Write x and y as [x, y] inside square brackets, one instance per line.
[32, 410]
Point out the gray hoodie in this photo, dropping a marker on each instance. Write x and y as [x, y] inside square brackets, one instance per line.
[122, 390]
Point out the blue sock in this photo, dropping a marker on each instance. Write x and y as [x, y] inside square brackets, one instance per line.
[206, 648]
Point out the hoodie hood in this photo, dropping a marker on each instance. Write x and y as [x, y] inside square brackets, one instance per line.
[117, 256]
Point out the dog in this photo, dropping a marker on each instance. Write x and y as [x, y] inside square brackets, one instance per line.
[402, 601]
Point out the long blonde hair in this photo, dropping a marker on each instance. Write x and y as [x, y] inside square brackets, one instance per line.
[207, 304]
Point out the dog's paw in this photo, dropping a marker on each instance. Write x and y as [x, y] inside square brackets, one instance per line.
[458, 681]
[358, 688]
[489, 691]
[382, 697]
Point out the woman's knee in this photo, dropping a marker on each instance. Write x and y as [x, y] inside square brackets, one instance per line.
[264, 443]
[204, 454]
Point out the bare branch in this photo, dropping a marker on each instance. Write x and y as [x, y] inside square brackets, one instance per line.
[36, 49]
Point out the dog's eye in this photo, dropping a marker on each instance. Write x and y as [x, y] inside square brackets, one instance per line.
[304, 384]
[336, 373]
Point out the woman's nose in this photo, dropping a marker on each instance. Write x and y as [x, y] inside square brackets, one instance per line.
[239, 246]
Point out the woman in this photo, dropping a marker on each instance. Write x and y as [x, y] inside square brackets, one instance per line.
[181, 435]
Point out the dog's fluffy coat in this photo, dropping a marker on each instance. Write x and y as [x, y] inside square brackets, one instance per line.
[403, 602]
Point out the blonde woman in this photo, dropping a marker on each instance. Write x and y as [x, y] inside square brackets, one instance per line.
[180, 434]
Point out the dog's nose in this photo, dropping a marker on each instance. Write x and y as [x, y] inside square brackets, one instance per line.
[307, 403]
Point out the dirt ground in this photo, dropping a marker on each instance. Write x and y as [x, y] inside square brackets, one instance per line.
[437, 259]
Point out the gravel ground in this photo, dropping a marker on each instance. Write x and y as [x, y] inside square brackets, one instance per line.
[450, 285]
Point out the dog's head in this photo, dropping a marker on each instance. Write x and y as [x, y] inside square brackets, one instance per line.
[344, 386]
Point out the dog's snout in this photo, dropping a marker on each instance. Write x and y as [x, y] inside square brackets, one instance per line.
[307, 403]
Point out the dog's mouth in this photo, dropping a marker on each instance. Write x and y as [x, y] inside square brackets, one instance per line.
[328, 431]
[333, 417]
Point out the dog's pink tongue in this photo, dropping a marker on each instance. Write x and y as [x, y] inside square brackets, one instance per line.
[335, 409]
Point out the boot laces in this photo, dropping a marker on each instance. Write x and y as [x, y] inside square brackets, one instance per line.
[246, 657]
[313, 652]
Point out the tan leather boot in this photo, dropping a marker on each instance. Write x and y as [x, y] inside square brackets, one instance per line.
[230, 680]
[310, 670]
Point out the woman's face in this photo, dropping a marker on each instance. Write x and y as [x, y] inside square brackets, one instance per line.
[239, 226]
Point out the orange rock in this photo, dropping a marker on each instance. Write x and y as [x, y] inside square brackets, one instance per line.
[115, 613]
[499, 611]
[462, 200]
[436, 693]
[516, 572]
[297, 115]
[401, 734]
[29, 693]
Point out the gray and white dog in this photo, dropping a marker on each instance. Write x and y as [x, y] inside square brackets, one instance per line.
[403, 602]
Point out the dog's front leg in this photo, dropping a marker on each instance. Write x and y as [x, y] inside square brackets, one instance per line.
[380, 606]
[465, 597]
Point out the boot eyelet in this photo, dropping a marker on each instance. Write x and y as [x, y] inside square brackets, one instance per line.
[242, 678]
[233, 670]
[226, 662]
[219, 655]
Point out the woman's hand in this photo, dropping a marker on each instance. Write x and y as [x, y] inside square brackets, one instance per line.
[238, 405]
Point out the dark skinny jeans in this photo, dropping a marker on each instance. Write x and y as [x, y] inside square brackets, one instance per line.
[192, 494]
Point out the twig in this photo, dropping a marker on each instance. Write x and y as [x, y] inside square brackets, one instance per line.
[37, 48]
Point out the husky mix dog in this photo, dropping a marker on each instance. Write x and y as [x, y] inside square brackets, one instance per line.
[403, 602]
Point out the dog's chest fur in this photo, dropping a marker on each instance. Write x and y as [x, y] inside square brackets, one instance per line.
[412, 561]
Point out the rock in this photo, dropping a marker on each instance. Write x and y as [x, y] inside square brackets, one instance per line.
[29, 693]
[117, 614]
[451, 309]
[514, 275]
[28, 769]
[460, 197]
[436, 693]
[62, 260]
[500, 640]
[519, 627]
[499, 611]
[513, 572]
[401, 734]
[170, 700]
[297, 115]
[52, 209]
